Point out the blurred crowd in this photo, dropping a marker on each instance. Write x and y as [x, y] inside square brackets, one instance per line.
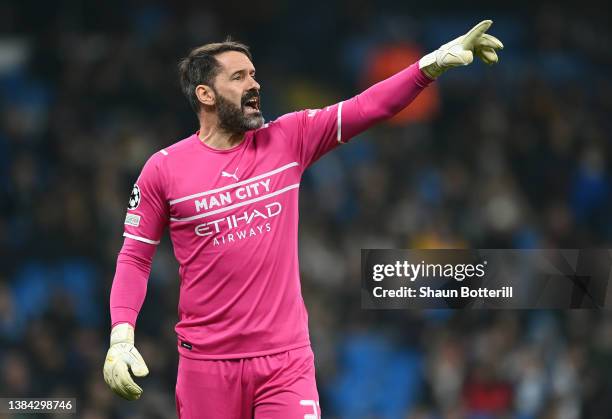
[513, 156]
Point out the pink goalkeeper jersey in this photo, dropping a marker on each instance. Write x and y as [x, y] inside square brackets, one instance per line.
[233, 221]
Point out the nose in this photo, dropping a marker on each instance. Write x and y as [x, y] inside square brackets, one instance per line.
[254, 84]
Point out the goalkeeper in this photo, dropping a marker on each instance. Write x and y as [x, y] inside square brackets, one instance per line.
[229, 196]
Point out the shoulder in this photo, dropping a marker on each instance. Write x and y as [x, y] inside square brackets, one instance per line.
[172, 154]
[288, 119]
[162, 161]
[175, 150]
[284, 124]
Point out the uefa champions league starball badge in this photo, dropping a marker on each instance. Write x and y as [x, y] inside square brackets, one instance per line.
[134, 198]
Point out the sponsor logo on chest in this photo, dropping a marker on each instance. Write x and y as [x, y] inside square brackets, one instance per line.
[241, 193]
[240, 210]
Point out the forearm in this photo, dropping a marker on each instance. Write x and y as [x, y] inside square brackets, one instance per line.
[130, 283]
[382, 101]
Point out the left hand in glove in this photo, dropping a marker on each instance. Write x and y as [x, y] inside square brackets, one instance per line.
[460, 51]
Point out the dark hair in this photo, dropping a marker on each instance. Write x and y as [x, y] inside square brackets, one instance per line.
[201, 67]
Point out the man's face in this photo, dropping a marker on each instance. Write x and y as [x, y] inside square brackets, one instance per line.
[237, 93]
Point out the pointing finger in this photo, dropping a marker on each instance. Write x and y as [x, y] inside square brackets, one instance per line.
[475, 33]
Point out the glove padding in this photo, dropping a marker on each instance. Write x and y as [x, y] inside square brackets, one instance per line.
[121, 355]
[460, 51]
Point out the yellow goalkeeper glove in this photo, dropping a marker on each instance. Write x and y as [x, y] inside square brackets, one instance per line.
[460, 51]
[121, 355]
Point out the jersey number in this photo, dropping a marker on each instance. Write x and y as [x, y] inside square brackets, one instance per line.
[314, 404]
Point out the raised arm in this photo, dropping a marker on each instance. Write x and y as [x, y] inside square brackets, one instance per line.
[314, 132]
[379, 102]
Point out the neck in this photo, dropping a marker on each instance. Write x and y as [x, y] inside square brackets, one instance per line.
[214, 136]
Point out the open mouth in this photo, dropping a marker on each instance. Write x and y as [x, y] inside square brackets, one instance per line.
[252, 104]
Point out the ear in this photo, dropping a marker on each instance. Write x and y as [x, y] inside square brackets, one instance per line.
[205, 94]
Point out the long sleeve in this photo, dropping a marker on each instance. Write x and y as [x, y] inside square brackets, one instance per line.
[146, 218]
[130, 282]
[312, 133]
[380, 102]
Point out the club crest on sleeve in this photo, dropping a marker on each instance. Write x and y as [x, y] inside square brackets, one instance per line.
[134, 198]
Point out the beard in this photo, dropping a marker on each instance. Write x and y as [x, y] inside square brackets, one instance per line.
[234, 119]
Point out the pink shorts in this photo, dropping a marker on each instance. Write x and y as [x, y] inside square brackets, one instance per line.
[279, 386]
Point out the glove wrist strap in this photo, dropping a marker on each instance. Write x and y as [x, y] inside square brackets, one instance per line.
[122, 333]
[429, 65]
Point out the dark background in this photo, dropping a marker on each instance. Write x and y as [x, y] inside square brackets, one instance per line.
[511, 156]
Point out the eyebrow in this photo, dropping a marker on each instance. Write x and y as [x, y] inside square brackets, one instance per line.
[242, 71]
